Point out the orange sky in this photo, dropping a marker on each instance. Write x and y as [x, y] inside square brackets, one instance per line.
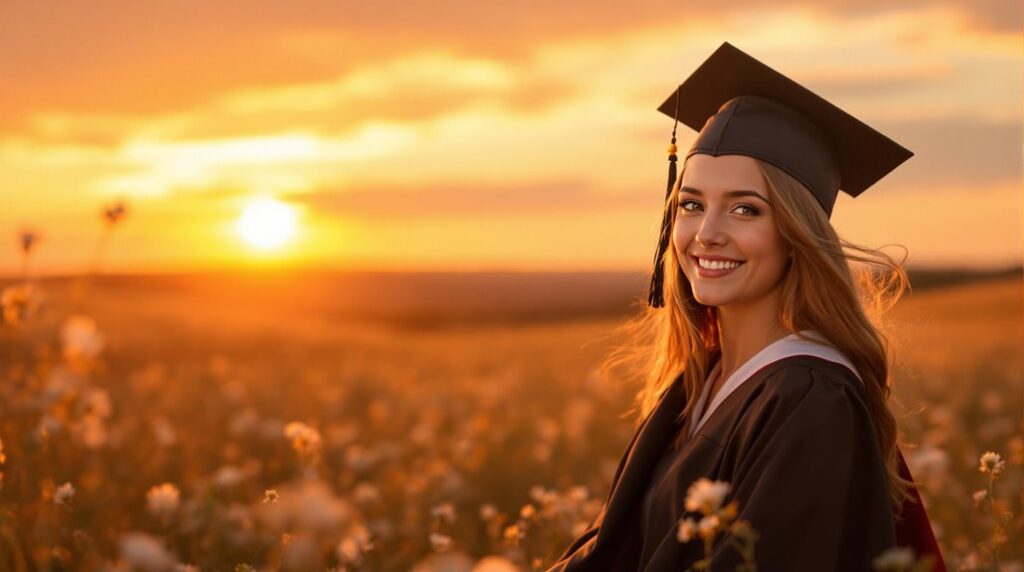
[461, 135]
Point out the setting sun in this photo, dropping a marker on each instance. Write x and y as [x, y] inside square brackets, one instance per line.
[266, 223]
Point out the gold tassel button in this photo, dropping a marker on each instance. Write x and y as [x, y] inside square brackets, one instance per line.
[672, 149]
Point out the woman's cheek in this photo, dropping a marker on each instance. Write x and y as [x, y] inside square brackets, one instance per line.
[678, 239]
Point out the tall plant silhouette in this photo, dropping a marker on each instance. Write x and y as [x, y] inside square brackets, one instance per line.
[112, 215]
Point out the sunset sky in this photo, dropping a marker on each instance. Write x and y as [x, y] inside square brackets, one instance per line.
[466, 135]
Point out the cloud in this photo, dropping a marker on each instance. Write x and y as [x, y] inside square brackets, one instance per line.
[262, 164]
[461, 200]
[884, 80]
[959, 150]
[120, 56]
[408, 89]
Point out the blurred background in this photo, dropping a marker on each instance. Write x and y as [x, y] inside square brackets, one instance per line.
[368, 256]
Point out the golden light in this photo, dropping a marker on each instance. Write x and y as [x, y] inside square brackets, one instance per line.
[266, 223]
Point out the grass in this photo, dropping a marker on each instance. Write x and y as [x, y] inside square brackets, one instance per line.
[441, 444]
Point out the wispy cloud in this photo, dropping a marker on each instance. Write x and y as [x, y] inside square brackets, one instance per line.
[462, 200]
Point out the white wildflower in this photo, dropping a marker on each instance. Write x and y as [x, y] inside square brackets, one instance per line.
[494, 564]
[80, 337]
[448, 561]
[579, 494]
[440, 542]
[162, 500]
[706, 496]
[17, 303]
[543, 496]
[306, 505]
[929, 460]
[488, 511]
[527, 511]
[979, 496]
[64, 494]
[228, 476]
[992, 463]
[352, 548]
[686, 530]
[305, 439]
[145, 552]
[515, 532]
[708, 526]
[894, 559]
[444, 512]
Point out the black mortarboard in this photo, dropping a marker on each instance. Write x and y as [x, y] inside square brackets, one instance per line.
[743, 107]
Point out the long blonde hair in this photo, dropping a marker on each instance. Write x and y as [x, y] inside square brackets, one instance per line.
[821, 291]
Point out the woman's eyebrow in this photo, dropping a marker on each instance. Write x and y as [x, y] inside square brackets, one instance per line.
[737, 193]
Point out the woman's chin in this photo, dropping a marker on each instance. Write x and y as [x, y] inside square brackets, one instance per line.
[711, 298]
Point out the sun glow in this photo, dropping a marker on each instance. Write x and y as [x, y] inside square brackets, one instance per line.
[266, 223]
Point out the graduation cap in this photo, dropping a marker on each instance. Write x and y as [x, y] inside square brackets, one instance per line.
[740, 106]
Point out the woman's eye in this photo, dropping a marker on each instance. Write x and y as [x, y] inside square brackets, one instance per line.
[684, 204]
[750, 210]
[692, 205]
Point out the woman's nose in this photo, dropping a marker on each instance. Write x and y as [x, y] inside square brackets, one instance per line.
[710, 232]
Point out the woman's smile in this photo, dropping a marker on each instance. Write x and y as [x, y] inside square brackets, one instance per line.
[715, 268]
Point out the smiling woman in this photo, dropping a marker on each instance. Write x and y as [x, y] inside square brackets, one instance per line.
[766, 374]
[266, 223]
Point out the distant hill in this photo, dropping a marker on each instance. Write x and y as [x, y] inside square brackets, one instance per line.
[925, 279]
[424, 299]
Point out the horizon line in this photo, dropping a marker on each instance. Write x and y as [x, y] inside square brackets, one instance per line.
[916, 268]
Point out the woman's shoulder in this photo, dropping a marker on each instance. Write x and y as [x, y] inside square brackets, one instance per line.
[809, 377]
[803, 395]
[799, 357]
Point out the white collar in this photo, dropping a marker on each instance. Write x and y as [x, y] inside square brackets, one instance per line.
[791, 345]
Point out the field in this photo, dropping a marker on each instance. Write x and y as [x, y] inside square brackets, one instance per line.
[226, 423]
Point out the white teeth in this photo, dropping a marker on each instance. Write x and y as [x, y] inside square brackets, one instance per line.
[716, 264]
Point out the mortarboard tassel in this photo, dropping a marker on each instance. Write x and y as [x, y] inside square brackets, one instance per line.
[655, 297]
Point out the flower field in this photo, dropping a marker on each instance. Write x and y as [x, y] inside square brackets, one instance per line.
[154, 427]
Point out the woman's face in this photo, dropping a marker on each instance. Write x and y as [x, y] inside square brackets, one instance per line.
[724, 220]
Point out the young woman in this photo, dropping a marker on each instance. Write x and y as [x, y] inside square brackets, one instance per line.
[765, 374]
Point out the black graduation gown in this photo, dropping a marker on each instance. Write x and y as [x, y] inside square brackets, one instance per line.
[797, 443]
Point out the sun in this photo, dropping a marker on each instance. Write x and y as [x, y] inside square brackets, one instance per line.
[266, 223]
